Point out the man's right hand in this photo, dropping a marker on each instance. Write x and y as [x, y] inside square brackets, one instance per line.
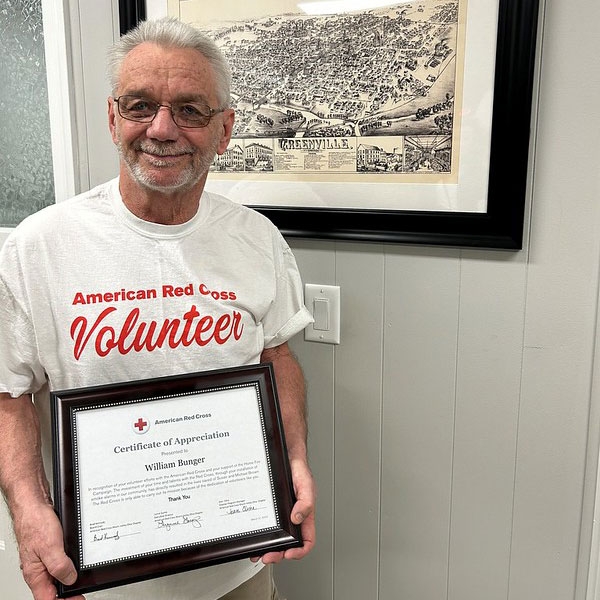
[26, 491]
[41, 550]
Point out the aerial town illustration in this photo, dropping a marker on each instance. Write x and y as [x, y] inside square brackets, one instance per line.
[363, 92]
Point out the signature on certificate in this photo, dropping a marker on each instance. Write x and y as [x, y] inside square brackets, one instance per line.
[169, 524]
[244, 509]
[104, 537]
[241, 507]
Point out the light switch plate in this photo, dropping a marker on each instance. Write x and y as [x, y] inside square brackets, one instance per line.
[323, 302]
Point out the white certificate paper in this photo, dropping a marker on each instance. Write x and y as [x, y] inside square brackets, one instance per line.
[169, 473]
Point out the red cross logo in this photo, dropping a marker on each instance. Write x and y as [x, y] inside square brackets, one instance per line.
[141, 425]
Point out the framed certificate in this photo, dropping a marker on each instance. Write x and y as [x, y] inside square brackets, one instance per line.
[165, 475]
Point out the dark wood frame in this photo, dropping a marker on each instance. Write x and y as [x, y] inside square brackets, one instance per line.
[65, 403]
[501, 226]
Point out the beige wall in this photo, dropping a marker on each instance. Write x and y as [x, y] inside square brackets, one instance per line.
[451, 434]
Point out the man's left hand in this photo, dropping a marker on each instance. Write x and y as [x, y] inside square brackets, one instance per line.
[303, 513]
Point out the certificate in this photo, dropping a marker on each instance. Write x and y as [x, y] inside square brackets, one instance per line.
[164, 475]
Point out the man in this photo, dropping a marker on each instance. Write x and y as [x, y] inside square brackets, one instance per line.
[75, 307]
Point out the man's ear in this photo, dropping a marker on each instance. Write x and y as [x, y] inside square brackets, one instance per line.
[228, 120]
[112, 125]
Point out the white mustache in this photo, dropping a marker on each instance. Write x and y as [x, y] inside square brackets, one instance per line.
[163, 149]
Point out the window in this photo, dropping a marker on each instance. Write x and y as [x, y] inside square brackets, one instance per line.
[26, 171]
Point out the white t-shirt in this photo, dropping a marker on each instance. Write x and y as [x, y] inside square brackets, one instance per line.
[90, 295]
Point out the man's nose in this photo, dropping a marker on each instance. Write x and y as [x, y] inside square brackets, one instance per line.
[163, 127]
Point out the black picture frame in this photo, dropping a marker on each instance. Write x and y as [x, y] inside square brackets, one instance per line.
[131, 12]
[501, 225]
[93, 576]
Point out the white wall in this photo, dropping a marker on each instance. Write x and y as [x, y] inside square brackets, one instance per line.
[454, 432]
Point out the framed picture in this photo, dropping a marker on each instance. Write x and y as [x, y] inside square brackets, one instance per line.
[379, 121]
[131, 12]
[165, 475]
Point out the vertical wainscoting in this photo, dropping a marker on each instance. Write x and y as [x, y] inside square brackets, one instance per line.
[423, 409]
[488, 374]
[419, 373]
[313, 576]
[448, 450]
[357, 415]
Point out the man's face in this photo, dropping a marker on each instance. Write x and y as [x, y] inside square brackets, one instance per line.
[160, 155]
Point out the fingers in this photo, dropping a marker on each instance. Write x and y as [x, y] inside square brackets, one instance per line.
[305, 489]
[41, 550]
[40, 576]
[40, 584]
[302, 510]
[61, 567]
[308, 537]
[272, 558]
[304, 486]
[302, 514]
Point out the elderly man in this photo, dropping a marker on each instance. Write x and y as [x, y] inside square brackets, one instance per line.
[154, 226]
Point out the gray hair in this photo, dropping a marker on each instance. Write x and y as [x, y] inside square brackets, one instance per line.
[169, 32]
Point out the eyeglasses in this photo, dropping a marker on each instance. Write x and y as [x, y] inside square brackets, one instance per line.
[185, 114]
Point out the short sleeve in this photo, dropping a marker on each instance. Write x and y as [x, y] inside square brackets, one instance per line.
[20, 371]
[287, 314]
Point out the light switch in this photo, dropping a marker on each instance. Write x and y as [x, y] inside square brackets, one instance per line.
[323, 301]
[321, 314]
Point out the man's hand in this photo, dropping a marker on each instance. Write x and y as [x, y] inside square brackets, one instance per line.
[26, 491]
[40, 540]
[291, 392]
[303, 513]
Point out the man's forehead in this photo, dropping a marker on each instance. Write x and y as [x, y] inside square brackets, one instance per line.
[151, 65]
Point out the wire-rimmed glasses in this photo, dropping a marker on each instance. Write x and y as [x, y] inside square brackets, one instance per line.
[185, 114]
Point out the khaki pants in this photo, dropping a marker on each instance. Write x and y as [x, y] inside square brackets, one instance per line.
[259, 587]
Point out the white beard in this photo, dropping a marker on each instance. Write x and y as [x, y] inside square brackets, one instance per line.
[186, 179]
